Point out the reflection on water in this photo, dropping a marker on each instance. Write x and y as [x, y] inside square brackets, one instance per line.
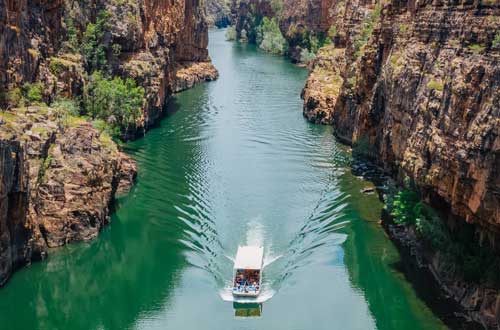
[234, 163]
[247, 310]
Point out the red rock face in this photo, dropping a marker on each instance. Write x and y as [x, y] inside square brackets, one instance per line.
[56, 187]
[423, 91]
[429, 102]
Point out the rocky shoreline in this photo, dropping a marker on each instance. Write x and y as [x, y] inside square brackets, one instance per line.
[461, 304]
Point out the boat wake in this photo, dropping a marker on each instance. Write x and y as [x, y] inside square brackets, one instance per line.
[323, 229]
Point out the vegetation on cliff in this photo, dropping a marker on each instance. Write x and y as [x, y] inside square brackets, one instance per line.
[269, 37]
[116, 101]
[461, 254]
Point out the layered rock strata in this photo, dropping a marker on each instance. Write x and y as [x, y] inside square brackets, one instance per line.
[58, 178]
[59, 175]
[147, 40]
[417, 88]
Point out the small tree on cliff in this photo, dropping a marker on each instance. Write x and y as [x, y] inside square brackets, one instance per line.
[93, 47]
[116, 101]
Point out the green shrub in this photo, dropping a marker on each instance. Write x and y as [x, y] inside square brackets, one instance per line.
[93, 49]
[406, 207]
[115, 101]
[496, 40]
[367, 30]
[72, 35]
[435, 85]
[332, 32]
[476, 48]
[403, 28]
[277, 6]
[14, 98]
[306, 56]
[231, 33]
[460, 250]
[69, 106]
[103, 127]
[33, 92]
[269, 37]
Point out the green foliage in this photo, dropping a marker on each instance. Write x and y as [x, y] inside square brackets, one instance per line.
[269, 37]
[116, 49]
[231, 33]
[32, 92]
[103, 127]
[116, 101]
[496, 41]
[403, 28]
[460, 250]
[306, 56]
[58, 65]
[277, 6]
[69, 106]
[332, 32]
[435, 85]
[14, 98]
[66, 111]
[476, 48]
[93, 48]
[72, 35]
[367, 30]
[406, 207]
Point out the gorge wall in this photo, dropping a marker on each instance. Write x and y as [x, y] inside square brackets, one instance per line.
[413, 85]
[421, 90]
[59, 174]
[417, 88]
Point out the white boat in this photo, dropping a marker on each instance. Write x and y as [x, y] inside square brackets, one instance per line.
[248, 271]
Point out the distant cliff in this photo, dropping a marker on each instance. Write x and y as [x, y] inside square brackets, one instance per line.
[59, 172]
[218, 13]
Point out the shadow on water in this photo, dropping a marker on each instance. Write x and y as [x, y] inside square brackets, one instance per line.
[402, 264]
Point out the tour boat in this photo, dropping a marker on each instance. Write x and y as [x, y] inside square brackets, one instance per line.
[248, 264]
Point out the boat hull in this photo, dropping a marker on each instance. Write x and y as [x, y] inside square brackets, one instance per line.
[246, 294]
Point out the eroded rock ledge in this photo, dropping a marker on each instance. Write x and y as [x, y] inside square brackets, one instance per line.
[58, 178]
[188, 74]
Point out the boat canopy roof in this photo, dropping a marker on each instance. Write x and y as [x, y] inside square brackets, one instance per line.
[249, 257]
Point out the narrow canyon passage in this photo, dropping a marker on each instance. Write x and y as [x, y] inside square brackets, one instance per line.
[234, 162]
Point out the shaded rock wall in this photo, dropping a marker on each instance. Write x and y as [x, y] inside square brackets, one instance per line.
[218, 13]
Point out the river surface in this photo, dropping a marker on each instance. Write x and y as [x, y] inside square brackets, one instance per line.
[233, 163]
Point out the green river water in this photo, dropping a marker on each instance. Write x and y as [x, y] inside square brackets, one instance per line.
[233, 162]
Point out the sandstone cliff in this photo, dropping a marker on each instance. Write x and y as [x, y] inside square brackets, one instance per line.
[146, 40]
[415, 85]
[58, 178]
[58, 174]
[218, 13]
[303, 23]
[424, 93]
